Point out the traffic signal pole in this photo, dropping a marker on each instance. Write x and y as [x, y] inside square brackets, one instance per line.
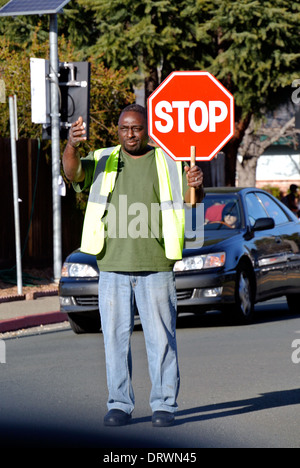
[55, 146]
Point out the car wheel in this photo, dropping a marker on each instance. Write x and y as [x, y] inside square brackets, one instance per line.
[84, 323]
[293, 301]
[243, 311]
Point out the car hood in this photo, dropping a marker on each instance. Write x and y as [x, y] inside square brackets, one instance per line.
[79, 257]
[213, 241]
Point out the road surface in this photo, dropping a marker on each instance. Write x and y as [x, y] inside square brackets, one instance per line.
[240, 387]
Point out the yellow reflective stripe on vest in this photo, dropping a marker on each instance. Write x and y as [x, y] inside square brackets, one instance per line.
[105, 173]
[106, 166]
[170, 186]
[92, 240]
[171, 198]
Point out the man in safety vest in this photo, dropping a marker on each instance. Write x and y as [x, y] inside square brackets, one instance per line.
[134, 224]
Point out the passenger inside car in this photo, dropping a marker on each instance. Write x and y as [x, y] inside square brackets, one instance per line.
[214, 212]
[230, 216]
[222, 213]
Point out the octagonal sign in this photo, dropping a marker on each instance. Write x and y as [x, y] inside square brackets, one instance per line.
[191, 109]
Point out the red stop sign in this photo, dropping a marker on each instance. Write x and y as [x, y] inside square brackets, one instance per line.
[191, 109]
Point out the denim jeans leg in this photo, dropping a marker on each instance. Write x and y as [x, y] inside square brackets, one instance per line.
[156, 301]
[117, 321]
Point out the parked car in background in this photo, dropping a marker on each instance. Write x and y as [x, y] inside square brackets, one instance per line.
[250, 253]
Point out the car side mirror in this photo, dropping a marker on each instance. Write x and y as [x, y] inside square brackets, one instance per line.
[262, 224]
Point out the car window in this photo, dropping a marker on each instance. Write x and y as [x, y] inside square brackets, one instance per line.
[222, 211]
[273, 210]
[255, 208]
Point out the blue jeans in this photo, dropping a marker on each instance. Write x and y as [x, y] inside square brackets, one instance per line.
[155, 297]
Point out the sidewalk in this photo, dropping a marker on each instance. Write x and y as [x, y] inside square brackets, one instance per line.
[18, 314]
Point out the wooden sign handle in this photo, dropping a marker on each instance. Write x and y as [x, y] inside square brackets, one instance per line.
[193, 162]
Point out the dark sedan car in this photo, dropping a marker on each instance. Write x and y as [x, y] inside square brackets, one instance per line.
[247, 251]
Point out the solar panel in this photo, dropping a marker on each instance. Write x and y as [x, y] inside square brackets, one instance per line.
[32, 7]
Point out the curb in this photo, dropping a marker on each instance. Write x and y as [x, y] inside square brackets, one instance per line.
[29, 296]
[32, 321]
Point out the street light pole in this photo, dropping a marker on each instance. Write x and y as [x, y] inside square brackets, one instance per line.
[55, 146]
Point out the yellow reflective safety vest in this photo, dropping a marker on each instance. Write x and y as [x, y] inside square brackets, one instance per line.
[171, 201]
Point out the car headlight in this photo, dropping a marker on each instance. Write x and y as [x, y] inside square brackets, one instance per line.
[78, 270]
[201, 262]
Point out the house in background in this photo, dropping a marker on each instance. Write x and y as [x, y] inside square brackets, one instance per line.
[278, 167]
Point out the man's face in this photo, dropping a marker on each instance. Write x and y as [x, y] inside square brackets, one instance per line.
[133, 134]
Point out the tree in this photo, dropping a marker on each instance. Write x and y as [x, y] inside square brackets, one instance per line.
[75, 24]
[15, 72]
[149, 38]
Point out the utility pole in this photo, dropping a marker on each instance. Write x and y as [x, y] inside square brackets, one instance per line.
[55, 147]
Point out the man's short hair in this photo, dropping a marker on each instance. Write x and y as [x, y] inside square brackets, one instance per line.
[135, 108]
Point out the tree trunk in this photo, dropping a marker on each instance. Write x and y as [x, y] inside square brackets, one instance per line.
[231, 150]
[151, 82]
[246, 172]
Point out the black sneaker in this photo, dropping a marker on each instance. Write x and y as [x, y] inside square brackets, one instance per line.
[116, 417]
[162, 419]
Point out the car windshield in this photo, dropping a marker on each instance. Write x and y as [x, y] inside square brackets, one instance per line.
[222, 211]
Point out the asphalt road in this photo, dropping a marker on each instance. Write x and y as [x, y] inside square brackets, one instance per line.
[239, 388]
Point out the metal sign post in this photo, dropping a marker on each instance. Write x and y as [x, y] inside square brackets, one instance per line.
[55, 137]
[13, 140]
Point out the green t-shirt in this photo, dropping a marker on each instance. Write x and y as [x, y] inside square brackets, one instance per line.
[133, 222]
